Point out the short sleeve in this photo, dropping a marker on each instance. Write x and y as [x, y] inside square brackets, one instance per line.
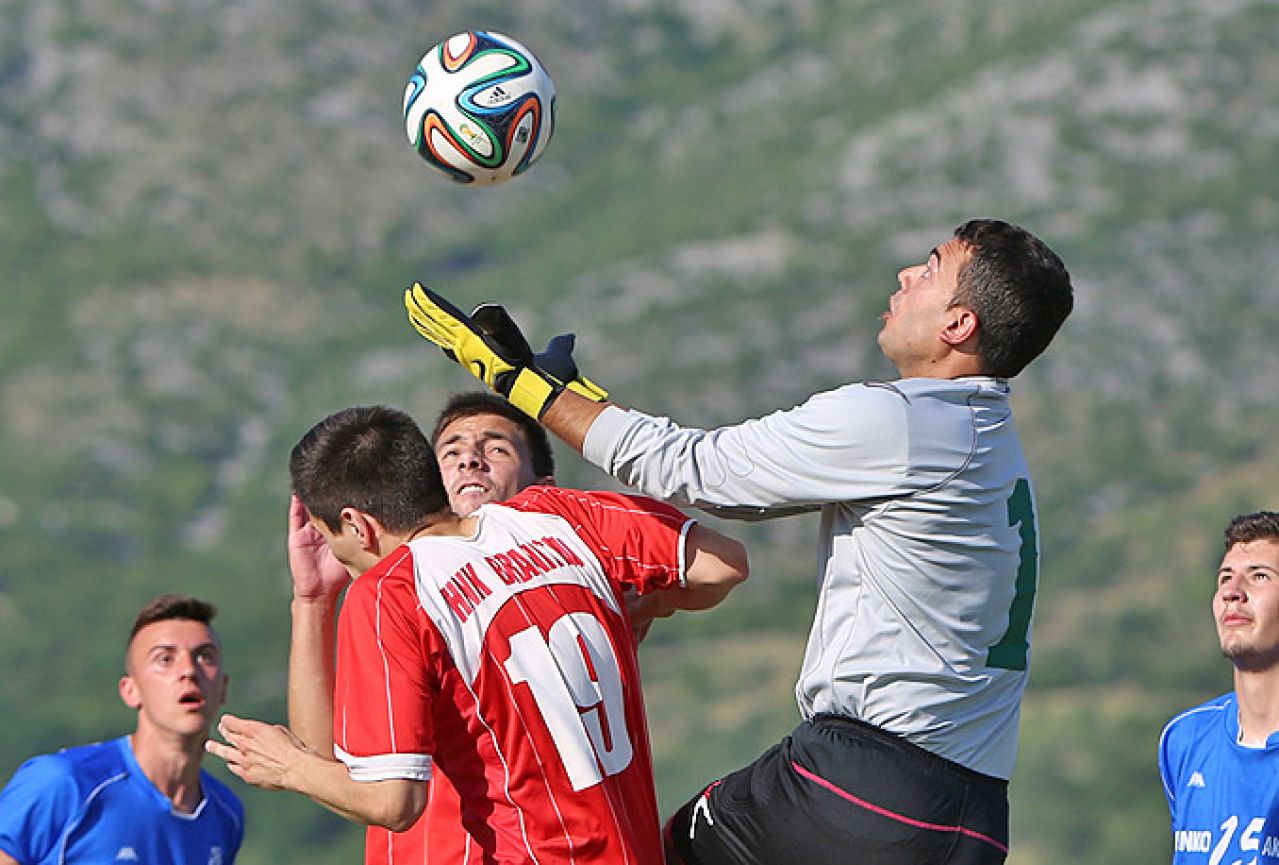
[639, 541]
[35, 808]
[1168, 769]
[385, 684]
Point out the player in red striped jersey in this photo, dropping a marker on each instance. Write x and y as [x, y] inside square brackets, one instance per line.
[487, 451]
[494, 649]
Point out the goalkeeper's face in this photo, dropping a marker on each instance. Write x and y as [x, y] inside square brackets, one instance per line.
[920, 311]
[483, 458]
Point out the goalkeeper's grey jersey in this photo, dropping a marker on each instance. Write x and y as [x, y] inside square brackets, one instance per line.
[929, 556]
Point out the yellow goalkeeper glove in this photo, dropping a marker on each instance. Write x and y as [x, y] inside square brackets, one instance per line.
[490, 346]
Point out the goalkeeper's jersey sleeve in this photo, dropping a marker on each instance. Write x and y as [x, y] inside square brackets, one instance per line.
[505, 660]
[929, 545]
[1223, 796]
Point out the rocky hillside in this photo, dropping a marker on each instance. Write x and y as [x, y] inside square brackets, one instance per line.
[209, 211]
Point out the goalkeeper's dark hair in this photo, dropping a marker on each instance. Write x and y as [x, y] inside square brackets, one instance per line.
[1246, 528]
[472, 403]
[1018, 287]
[372, 458]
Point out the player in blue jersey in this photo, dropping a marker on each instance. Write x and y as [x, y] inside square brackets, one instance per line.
[141, 798]
[1220, 761]
[919, 651]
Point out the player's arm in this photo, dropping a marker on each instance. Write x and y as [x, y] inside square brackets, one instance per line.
[570, 417]
[36, 806]
[311, 674]
[716, 564]
[271, 757]
[667, 464]
[10, 838]
[318, 580]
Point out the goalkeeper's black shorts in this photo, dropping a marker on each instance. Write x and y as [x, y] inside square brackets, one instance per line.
[839, 790]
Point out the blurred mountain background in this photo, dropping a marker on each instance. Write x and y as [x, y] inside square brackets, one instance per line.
[209, 211]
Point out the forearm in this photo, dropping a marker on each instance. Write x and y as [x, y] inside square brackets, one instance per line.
[643, 610]
[394, 804]
[311, 672]
[570, 417]
[716, 565]
[694, 598]
[272, 757]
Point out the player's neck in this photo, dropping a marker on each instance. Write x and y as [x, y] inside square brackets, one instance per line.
[1258, 696]
[947, 365]
[171, 764]
[446, 524]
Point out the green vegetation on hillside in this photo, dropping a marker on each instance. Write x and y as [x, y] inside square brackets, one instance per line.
[207, 215]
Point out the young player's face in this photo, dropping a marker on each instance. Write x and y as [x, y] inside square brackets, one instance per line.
[1246, 605]
[483, 458]
[174, 677]
[917, 311]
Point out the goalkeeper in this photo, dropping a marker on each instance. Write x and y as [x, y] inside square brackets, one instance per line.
[912, 679]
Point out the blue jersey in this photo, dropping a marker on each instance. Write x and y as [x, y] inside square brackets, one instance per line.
[94, 804]
[1224, 796]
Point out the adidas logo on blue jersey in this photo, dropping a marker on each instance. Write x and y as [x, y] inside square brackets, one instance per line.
[1196, 780]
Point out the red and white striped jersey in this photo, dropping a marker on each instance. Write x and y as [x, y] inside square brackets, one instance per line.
[506, 659]
[437, 838]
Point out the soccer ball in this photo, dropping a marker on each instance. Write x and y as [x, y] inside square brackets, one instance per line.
[479, 107]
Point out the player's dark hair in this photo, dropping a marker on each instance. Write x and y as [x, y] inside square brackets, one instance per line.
[372, 458]
[472, 403]
[1019, 289]
[1246, 528]
[172, 605]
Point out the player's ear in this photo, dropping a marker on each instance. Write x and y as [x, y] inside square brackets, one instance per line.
[960, 327]
[362, 527]
[129, 692]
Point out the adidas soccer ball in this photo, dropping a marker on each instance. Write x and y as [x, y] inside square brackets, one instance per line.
[479, 107]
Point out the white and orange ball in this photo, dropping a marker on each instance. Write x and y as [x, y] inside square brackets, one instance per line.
[480, 107]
